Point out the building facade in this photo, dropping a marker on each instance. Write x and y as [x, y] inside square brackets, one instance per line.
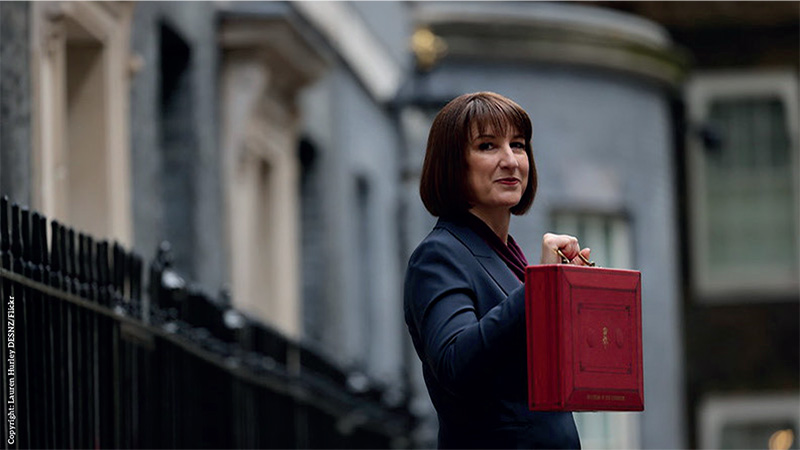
[738, 173]
[277, 147]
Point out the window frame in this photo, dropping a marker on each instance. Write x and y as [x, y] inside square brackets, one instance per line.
[717, 410]
[588, 216]
[260, 125]
[701, 90]
[109, 24]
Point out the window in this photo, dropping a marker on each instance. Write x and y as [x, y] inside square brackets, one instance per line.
[754, 421]
[263, 203]
[743, 185]
[363, 230]
[81, 168]
[609, 237]
[265, 62]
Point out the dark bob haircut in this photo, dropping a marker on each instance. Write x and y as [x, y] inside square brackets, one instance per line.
[443, 184]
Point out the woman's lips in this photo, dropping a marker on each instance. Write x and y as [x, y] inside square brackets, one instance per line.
[508, 181]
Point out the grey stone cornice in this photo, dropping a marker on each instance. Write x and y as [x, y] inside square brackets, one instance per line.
[278, 41]
[553, 33]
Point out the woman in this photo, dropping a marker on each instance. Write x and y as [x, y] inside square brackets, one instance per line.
[464, 289]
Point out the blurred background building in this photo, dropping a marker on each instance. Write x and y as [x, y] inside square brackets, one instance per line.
[737, 177]
[277, 146]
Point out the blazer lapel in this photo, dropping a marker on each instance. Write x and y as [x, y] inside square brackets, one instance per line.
[487, 257]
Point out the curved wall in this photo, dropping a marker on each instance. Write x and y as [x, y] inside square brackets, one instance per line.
[602, 142]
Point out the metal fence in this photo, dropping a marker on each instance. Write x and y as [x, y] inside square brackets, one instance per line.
[91, 359]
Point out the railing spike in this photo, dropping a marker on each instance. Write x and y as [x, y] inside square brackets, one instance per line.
[16, 239]
[90, 267]
[25, 229]
[35, 255]
[136, 278]
[102, 273]
[72, 260]
[44, 253]
[55, 243]
[56, 266]
[64, 254]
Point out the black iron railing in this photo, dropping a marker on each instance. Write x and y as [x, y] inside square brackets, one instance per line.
[93, 360]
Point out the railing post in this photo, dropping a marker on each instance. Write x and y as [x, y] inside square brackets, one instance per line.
[90, 378]
[60, 358]
[24, 400]
[32, 380]
[68, 335]
[135, 283]
[105, 332]
[40, 308]
[88, 266]
[79, 356]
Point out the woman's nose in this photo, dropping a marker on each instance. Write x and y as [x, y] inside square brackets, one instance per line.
[507, 157]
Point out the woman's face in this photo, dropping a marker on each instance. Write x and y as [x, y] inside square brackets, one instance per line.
[497, 169]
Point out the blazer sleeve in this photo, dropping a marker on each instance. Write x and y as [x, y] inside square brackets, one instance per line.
[459, 347]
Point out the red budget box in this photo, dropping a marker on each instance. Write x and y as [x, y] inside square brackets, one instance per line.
[584, 335]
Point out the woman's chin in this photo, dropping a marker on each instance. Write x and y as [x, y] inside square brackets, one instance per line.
[499, 204]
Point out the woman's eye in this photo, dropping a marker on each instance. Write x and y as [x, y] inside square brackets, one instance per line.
[520, 145]
[485, 146]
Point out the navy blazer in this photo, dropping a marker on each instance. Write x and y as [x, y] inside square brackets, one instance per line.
[465, 311]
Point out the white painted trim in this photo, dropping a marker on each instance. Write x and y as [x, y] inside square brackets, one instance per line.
[263, 250]
[700, 90]
[108, 24]
[265, 62]
[349, 35]
[716, 411]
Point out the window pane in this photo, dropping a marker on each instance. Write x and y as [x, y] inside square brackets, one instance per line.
[748, 187]
[607, 235]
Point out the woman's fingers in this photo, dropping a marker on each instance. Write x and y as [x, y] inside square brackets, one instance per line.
[568, 245]
[551, 243]
[582, 257]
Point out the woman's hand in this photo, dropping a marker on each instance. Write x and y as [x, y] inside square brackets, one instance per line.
[569, 247]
